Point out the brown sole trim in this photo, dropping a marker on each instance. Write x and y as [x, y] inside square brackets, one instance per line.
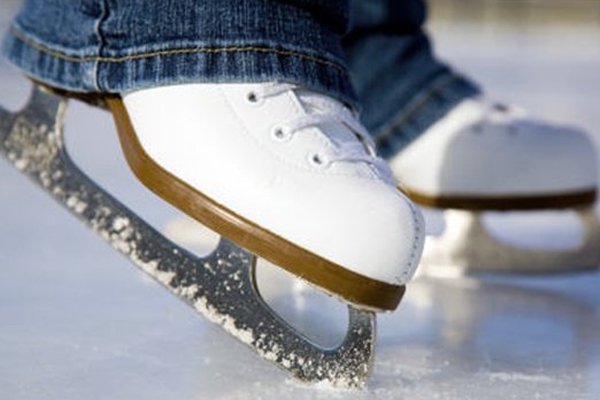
[508, 203]
[334, 279]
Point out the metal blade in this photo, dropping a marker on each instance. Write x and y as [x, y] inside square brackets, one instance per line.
[221, 286]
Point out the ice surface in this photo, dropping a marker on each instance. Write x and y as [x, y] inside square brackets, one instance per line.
[78, 322]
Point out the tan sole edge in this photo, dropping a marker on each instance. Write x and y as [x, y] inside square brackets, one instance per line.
[332, 278]
[508, 203]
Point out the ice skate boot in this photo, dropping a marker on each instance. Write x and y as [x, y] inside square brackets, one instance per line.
[287, 174]
[484, 157]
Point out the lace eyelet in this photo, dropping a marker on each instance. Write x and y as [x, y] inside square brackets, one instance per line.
[281, 134]
[253, 98]
[318, 160]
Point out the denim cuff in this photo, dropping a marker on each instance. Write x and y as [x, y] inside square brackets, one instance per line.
[414, 117]
[116, 51]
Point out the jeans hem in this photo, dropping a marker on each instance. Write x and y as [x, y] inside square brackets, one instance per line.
[194, 64]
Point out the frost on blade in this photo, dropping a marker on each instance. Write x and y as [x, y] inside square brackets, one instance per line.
[120, 223]
[76, 205]
[28, 149]
[188, 292]
[227, 322]
[125, 238]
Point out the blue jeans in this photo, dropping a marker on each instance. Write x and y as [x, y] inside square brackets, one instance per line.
[401, 87]
[123, 45]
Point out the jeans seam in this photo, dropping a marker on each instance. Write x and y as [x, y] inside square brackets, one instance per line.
[101, 43]
[213, 50]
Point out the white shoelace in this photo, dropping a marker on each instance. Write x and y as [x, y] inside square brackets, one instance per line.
[324, 110]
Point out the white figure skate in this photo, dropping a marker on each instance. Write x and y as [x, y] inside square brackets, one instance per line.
[32, 140]
[483, 157]
[286, 173]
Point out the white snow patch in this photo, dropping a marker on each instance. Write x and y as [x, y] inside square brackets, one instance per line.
[122, 246]
[76, 205]
[188, 292]
[120, 223]
[20, 164]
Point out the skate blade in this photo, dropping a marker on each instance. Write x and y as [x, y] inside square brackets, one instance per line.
[467, 247]
[220, 286]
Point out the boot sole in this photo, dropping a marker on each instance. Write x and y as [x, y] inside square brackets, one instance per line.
[505, 203]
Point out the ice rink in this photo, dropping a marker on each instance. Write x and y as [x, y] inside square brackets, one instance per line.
[77, 321]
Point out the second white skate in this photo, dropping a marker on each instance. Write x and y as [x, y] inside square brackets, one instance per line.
[483, 158]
